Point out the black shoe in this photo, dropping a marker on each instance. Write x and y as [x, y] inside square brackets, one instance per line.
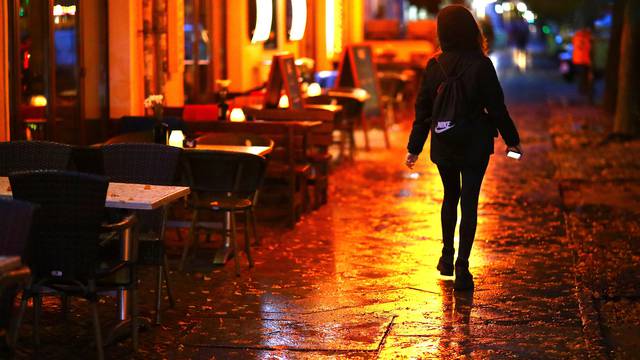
[464, 279]
[445, 266]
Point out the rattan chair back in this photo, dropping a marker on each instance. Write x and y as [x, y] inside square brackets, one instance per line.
[220, 172]
[87, 159]
[33, 155]
[131, 137]
[391, 85]
[154, 164]
[15, 224]
[66, 224]
[141, 163]
[129, 124]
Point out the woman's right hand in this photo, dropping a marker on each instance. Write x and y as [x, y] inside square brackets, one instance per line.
[411, 160]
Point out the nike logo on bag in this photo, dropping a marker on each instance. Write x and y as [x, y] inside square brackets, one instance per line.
[443, 126]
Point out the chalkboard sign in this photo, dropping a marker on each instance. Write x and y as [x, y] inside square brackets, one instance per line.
[358, 70]
[284, 74]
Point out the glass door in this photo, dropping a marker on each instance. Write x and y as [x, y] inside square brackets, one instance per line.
[66, 122]
[52, 92]
[31, 80]
[197, 50]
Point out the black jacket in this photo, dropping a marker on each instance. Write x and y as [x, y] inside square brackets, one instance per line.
[484, 93]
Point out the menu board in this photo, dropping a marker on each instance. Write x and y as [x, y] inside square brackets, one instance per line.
[284, 76]
[358, 70]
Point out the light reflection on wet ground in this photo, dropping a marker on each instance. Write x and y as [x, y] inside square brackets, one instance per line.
[357, 278]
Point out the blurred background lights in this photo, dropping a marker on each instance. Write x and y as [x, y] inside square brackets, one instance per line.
[38, 101]
[522, 7]
[284, 102]
[298, 19]
[264, 17]
[237, 115]
[529, 16]
[314, 89]
[480, 7]
[498, 8]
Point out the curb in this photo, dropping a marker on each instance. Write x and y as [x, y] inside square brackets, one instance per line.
[594, 341]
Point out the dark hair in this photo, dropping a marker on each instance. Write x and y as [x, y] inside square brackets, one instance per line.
[459, 31]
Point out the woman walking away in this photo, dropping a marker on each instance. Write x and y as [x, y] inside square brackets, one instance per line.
[461, 103]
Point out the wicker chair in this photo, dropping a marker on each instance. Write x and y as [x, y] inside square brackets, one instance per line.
[391, 88]
[129, 124]
[344, 124]
[353, 110]
[147, 164]
[242, 139]
[33, 155]
[87, 159]
[15, 223]
[63, 252]
[224, 182]
[131, 137]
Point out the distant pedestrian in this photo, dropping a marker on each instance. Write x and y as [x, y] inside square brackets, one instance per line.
[463, 72]
[520, 33]
[582, 55]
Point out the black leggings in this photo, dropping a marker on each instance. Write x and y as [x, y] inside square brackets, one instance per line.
[469, 192]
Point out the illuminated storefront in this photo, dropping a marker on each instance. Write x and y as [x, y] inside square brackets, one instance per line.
[72, 67]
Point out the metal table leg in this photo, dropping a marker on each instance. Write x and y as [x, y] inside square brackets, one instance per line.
[226, 251]
[123, 328]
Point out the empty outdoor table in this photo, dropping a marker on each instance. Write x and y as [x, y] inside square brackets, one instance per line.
[255, 150]
[131, 197]
[127, 196]
[256, 126]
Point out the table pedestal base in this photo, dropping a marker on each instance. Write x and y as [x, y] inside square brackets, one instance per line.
[122, 330]
[223, 255]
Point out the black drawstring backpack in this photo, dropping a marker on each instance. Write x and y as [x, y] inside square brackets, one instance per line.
[451, 121]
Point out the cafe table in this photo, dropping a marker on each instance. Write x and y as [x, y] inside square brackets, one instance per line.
[130, 197]
[255, 150]
[256, 126]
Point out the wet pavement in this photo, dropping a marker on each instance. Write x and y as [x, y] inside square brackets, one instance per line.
[555, 261]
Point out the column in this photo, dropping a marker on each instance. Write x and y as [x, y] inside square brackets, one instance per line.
[126, 65]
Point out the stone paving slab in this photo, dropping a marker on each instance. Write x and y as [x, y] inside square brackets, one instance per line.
[358, 333]
[600, 184]
[357, 278]
[621, 324]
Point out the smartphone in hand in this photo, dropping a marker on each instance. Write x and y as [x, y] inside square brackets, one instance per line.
[514, 154]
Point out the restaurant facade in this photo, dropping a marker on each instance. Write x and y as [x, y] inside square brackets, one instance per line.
[70, 67]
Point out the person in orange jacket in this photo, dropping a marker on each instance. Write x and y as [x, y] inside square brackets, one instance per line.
[582, 54]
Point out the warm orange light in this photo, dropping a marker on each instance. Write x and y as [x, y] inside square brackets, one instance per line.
[237, 115]
[314, 89]
[298, 19]
[176, 138]
[59, 10]
[284, 102]
[264, 17]
[38, 101]
[333, 27]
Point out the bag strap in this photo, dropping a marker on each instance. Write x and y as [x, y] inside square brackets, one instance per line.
[445, 73]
